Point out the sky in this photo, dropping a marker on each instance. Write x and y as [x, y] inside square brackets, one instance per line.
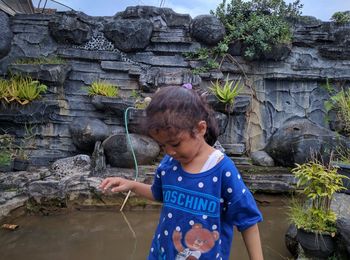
[321, 9]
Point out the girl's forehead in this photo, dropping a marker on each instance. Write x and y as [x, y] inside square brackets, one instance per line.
[166, 136]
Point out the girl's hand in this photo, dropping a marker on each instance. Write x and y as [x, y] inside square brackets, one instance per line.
[116, 184]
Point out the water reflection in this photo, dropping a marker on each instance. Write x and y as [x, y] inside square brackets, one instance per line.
[112, 235]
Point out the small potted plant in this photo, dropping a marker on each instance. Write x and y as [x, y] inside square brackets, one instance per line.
[313, 217]
[105, 97]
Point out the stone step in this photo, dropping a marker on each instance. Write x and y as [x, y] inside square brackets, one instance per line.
[89, 55]
[241, 160]
[170, 47]
[234, 149]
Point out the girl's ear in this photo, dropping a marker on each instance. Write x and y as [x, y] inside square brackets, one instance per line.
[201, 128]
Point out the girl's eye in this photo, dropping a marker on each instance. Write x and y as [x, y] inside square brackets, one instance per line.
[176, 145]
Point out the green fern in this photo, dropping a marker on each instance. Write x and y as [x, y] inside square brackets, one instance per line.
[226, 93]
[30, 90]
[103, 88]
[21, 89]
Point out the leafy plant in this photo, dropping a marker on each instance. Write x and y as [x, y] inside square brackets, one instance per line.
[341, 18]
[21, 89]
[6, 149]
[312, 219]
[6, 142]
[319, 183]
[28, 90]
[227, 92]
[342, 154]
[258, 24]
[103, 88]
[3, 89]
[340, 102]
[5, 158]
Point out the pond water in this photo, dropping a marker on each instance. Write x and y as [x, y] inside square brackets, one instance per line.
[91, 235]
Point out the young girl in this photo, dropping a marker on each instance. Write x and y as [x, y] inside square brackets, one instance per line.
[203, 194]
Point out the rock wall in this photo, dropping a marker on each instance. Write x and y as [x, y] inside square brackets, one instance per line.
[141, 49]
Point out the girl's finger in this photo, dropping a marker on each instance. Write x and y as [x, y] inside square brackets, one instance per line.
[109, 184]
[104, 182]
[119, 188]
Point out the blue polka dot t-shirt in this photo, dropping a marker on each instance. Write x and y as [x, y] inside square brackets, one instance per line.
[200, 210]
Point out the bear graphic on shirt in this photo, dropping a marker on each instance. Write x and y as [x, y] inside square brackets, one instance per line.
[198, 241]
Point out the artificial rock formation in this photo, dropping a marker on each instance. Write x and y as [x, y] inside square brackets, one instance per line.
[277, 89]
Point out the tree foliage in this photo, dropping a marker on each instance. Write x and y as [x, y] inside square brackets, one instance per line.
[258, 24]
[341, 18]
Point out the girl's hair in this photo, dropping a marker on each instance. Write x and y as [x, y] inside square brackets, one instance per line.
[176, 109]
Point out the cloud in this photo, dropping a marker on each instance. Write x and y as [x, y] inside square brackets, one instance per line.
[322, 9]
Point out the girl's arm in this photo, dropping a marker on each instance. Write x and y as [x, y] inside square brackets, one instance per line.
[252, 242]
[118, 184]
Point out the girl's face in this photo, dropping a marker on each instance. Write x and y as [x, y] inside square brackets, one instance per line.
[182, 146]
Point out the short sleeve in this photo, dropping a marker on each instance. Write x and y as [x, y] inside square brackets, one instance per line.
[240, 206]
[244, 213]
[156, 187]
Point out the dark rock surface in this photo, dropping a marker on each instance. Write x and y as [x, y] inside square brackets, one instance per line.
[36, 112]
[54, 74]
[299, 140]
[341, 205]
[161, 17]
[6, 35]
[86, 132]
[69, 28]
[207, 29]
[111, 105]
[129, 34]
[261, 158]
[118, 151]
[98, 160]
